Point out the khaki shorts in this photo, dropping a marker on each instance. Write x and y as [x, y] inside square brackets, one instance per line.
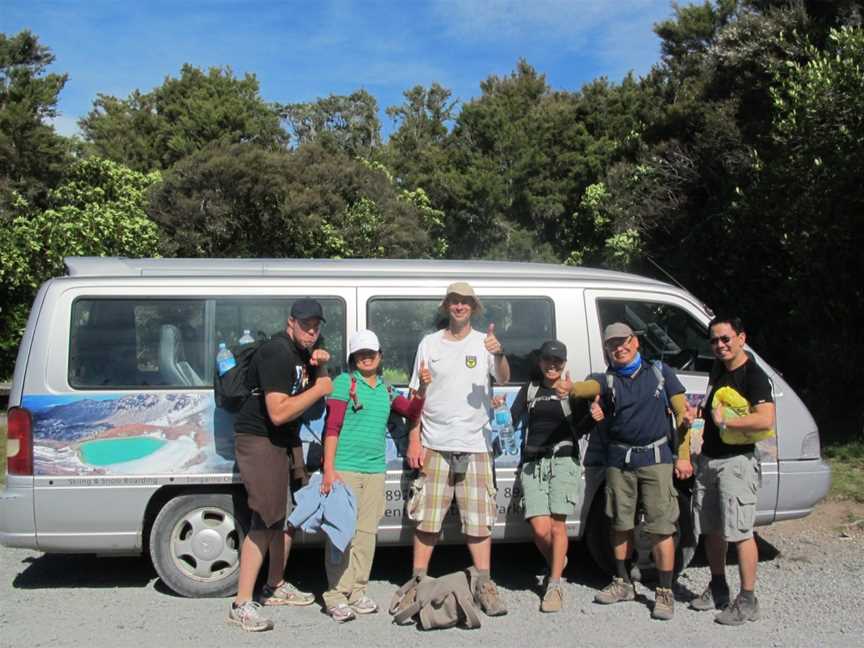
[724, 496]
[551, 486]
[651, 488]
[468, 478]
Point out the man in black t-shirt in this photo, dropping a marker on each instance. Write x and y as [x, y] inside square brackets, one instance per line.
[287, 376]
[727, 474]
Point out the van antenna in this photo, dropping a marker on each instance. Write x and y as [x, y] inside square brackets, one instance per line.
[661, 269]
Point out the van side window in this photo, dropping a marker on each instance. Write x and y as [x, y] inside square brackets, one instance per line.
[521, 324]
[264, 317]
[122, 343]
[666, 332]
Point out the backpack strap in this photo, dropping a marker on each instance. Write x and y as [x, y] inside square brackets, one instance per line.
[657, 368]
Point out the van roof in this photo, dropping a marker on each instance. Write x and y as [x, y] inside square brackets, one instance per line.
[123, 267]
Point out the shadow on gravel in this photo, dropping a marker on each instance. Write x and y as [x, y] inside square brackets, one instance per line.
[87, 571]
[767, 553]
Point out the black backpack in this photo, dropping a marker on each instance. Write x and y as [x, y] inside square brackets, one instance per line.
[231, 388]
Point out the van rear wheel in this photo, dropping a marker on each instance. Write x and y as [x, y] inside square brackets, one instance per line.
[195, 545]
[643, 568]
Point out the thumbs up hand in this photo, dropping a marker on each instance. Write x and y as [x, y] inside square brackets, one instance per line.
[596, 410]
[491, 343]
[425, 377]
[562, 386]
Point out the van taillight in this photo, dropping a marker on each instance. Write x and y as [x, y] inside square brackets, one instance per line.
[19, 442]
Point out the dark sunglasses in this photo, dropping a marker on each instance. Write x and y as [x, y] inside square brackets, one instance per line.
[725, 339]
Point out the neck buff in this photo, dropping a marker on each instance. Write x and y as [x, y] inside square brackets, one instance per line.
[628, 370]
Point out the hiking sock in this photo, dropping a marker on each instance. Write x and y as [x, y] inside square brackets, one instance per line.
[665, 579]
[483, 576]
[419, 573]
[748, 596]
[622, 570]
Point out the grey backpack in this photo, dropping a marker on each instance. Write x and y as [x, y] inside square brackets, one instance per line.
[434, 603]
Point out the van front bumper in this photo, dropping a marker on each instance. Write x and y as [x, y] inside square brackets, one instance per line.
[802, 485]
[17, 524]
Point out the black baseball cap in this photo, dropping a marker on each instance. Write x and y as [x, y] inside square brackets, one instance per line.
[307, 308]
[554, 349]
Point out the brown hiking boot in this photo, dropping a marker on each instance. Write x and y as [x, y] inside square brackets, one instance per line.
[664, 604]
[553, 599]
[489, 600]
[616, 592]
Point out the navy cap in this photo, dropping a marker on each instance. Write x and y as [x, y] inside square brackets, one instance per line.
[307, 308]
[554, 349]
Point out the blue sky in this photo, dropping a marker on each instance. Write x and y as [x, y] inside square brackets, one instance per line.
[303, 50]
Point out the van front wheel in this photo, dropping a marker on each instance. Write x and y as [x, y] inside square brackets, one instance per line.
[195, 545]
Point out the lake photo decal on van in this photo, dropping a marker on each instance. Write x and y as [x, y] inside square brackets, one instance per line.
[131, 434]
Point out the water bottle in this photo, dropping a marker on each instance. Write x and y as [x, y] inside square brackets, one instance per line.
[225, 359]
[247, 337]
[697, 428]
[506, 433]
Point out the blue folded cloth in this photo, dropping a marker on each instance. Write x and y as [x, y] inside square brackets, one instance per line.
[334, 513]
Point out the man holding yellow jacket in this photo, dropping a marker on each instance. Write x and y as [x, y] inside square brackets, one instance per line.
[636, 396]
[727, 474]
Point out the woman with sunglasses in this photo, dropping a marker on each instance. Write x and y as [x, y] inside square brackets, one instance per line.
[550, 472]
[354, 454]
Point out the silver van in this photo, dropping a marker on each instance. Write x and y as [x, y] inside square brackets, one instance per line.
[115, 445]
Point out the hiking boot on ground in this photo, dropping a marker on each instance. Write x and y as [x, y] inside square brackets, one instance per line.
[284, 594]
[664, 604]
[341, 613]
[489, 600]
[707, 601]
[616, 592]
[739, 612]
[248, 616]
[553, 599]
[364, 605]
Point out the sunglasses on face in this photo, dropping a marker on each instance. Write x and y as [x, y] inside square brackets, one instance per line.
[720, 339]
[615, 343]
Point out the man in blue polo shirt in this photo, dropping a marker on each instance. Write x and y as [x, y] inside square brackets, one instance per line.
[636, 397]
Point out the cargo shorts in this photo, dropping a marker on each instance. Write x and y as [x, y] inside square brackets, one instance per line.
[724, 496]
[648, 486]
[464, 476]
[551, 486]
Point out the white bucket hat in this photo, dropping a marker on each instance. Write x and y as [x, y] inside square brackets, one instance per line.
[363, 339]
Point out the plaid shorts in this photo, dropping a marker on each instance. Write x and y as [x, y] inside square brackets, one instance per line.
[467, 476]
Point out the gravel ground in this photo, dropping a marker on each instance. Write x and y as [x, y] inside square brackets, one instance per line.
[809, 589]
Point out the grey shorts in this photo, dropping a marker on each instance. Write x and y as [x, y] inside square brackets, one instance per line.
[724, 496]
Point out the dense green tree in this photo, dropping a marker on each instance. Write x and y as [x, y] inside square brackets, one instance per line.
[340, 123]
[153, 130]
[32, 156]
[98, 210]
[242, 200]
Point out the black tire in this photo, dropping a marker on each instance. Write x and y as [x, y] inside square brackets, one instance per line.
[195, 545]
[597, 539]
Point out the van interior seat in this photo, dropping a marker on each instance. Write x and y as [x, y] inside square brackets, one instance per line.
[173, 367]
